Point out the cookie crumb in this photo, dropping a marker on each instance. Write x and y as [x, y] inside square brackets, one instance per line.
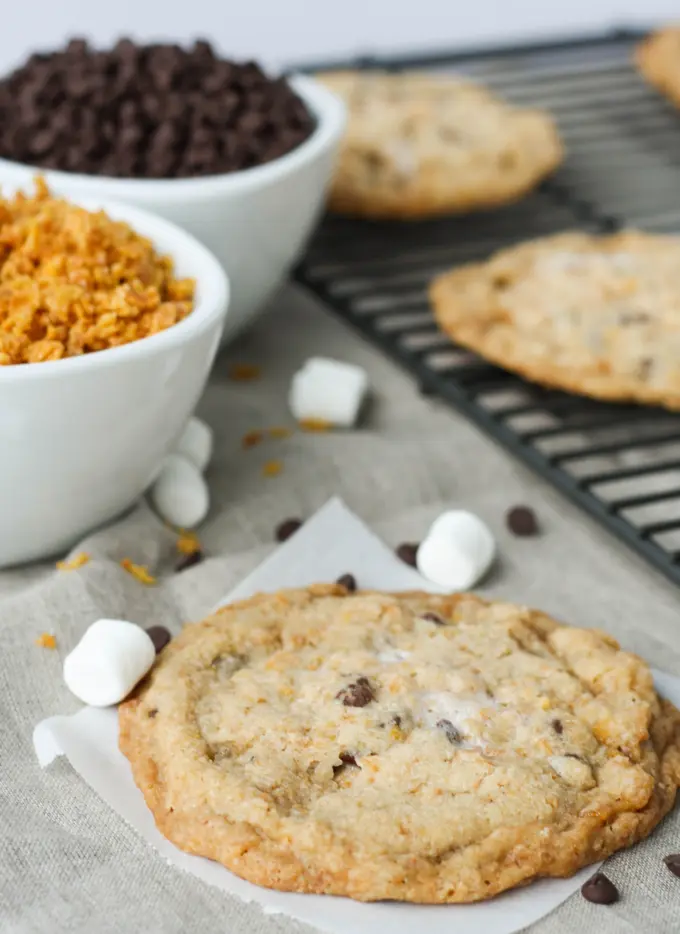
[244, 372]
[280, 432]
[46, 641]
[188, 543]
[272, 468]
[251, 439]
[138, 571]
[72, 564]
[314, 424]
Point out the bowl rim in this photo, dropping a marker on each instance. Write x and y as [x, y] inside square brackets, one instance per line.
[327, 107]
[213, 303]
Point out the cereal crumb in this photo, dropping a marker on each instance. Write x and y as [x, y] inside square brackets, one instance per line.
[76, 281]
[72, 564]
[315, 424]
[272, 468]
[280, 431]
[138, 571]
[188, 543]
[46, 641]
[242, 372]
[250, 439]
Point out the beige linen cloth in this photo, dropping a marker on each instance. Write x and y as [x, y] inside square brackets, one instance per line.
[69, 864]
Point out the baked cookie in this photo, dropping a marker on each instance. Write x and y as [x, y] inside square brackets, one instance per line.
[599, 316]
[418, 146]
[658, 60]
[399, 746]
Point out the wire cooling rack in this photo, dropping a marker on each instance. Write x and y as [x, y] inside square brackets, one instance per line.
[619, 463]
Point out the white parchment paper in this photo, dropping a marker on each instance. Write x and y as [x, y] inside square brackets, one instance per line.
[331, 543]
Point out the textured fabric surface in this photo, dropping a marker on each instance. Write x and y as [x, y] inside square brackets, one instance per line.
[68, 863]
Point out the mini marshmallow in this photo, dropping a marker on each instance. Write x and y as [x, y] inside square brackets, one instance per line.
[110, 659]
[180, 494]
[196, 444]
[457, 551]
[328, 390]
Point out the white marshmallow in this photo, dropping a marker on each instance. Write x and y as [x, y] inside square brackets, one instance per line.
[110, 659]
[196, 443]
[180, 494]
[328, 390]
[457, 551]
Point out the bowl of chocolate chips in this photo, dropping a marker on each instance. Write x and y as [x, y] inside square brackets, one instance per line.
[240, 159]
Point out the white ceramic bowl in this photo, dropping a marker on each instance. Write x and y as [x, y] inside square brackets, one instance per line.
[256, 222]
[83, 437]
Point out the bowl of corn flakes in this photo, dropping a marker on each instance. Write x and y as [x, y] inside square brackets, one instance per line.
[110, 318]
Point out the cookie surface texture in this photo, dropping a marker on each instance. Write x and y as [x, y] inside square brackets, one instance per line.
[418, 146]
[597, 316]
[412, 747]
[658, 60]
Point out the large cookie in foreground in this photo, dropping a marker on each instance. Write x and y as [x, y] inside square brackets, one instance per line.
[417, 146]
[598, 316]
[399, 746]
[658, 60]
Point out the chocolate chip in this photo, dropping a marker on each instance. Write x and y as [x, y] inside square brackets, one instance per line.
[348, 581]
[160, 637]
[164, 95]
[188, 561]
[357, 694]
[672, 861]
[286, 529]
[347, 758]
[152, 713]
[454, 736]
[522, 521]
[396, 720]
[558, 726]
[600, 890]
[407, 552]
[434, 618]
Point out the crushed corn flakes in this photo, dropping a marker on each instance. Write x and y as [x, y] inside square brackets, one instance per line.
[272, 468]
[74, 281]
[242, 372]
[138, 571]
[188, 543]
[250, 439]
[46, 641]
[315, 424]
[280, 431]
[72, 564]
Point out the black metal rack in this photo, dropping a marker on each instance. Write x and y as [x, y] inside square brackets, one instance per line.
[619, 463]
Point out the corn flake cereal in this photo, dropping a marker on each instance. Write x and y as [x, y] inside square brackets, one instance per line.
[74, 281]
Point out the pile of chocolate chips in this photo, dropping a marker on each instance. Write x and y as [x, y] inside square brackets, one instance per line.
[154, 111]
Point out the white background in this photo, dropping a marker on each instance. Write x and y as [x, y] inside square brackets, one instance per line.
[279, 31]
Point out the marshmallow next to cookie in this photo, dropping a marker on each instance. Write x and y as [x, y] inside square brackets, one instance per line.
[328, 391]
[457, 552]
[110, 659]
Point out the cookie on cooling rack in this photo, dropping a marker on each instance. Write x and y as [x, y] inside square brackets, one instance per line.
[418, 146]
[593, 315]
[658, 60]
[399, 746]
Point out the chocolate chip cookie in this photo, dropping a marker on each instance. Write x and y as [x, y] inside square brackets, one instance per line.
[399, 746]
[658, 60]
[418, 146]
[599, 316]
